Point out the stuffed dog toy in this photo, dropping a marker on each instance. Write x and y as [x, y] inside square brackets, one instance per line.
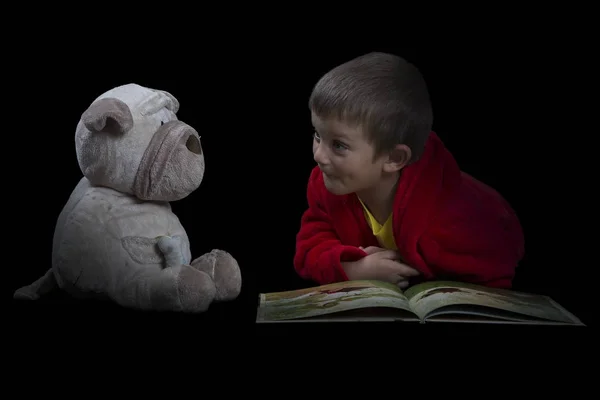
[117, 238]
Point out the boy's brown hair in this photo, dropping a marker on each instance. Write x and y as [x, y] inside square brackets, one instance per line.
[384, 95]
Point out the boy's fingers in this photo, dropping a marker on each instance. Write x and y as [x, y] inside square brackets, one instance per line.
[406, 271]
[402, 284]
[388, 254]
[372, 249]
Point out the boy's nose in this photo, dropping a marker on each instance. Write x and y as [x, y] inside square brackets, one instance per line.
[319, 155]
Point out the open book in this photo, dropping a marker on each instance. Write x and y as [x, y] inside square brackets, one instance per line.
[437, 301]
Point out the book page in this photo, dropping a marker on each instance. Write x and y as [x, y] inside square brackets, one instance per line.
[429, 297]
[329, 299]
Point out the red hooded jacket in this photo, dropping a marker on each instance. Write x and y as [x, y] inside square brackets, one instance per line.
[446, 224]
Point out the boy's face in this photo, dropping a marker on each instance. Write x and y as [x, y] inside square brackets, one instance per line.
[345, 157]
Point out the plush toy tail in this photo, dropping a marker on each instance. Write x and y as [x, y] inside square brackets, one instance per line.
[38, 288]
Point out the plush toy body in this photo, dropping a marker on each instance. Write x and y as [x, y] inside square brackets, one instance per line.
[117, 237]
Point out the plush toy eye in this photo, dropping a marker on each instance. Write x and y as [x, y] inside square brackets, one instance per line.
[161, 123]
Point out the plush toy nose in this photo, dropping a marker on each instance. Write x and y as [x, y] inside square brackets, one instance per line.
[193, 144]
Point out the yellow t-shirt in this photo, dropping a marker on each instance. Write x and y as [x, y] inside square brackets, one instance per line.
[384, 233]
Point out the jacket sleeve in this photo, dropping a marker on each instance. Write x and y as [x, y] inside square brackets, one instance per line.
[484, 249]
[319, 251]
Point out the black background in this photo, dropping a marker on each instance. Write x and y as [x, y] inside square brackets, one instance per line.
[495, 107]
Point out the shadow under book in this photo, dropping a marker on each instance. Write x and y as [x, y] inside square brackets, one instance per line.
[438, 301]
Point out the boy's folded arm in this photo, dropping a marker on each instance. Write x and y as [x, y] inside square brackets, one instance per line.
[319, 250]
[474, 251]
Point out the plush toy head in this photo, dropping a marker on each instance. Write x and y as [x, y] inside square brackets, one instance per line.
[130, 140]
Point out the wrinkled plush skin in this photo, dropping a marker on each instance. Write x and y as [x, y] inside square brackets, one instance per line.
[117, 238]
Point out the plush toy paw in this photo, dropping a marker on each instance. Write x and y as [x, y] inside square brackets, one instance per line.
[171, 249]
[225, 272]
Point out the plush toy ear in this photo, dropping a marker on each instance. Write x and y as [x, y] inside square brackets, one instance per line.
[173, 104]
[108, 115]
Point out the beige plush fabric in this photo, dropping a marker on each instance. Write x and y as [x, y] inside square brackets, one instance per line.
[117, 238]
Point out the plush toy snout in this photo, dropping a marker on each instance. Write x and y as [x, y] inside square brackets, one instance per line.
[172, 166]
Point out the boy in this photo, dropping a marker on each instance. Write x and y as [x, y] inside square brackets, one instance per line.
[387, 200]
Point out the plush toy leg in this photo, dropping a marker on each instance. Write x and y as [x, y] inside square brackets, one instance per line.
[181, 288]
[225, 272]
[177, 287]
[38, 288]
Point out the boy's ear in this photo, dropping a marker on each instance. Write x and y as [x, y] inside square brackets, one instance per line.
[398, 158]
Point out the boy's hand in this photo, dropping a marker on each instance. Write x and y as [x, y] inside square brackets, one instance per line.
[374, 249]
[381, 264]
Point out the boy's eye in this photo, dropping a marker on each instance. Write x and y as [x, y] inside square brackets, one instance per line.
[339, 145]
